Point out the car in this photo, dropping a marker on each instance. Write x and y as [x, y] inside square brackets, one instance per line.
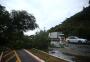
[75, 39]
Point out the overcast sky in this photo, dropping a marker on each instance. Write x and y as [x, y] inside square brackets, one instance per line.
[48, 13]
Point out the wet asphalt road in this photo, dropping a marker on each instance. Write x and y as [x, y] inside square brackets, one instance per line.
[25, 57]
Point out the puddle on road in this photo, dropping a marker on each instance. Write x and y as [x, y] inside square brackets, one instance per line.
[71, 58]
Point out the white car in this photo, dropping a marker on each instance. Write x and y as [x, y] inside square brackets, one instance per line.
[75, 39]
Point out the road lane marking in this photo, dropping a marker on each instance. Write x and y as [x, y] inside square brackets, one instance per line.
[1, 56]
[17, 57]
[37, 58]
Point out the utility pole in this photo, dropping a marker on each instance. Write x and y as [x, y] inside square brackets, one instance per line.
[44, 29]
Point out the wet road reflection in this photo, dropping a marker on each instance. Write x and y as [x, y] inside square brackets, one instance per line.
[71, 58]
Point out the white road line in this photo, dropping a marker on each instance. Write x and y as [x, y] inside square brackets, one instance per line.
[1, 56]
[37, 58]
[18, 58]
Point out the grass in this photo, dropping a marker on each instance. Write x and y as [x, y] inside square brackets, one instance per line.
[45, 56]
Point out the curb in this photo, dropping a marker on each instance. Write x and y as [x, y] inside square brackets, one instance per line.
[37, 58]
[50, 54]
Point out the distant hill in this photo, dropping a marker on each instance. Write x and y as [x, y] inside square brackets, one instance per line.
[77, 25]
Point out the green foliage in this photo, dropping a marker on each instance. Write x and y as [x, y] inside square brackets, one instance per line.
[77, 25]
[42, 40]
[12, 26]
[39, 41]
[4, 20]
[22, 21]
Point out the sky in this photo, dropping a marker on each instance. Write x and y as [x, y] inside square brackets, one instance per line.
[48, 13]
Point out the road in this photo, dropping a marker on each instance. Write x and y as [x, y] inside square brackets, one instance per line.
[25, 57]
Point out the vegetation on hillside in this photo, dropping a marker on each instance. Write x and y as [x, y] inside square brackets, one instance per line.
[77, 25]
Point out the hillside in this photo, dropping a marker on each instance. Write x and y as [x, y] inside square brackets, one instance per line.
[78, 25]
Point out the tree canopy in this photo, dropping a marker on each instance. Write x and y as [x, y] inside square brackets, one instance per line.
[13, 24]
[22, 21]
[40, 40]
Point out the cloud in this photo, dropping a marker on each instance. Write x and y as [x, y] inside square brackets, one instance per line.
[48, 13]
